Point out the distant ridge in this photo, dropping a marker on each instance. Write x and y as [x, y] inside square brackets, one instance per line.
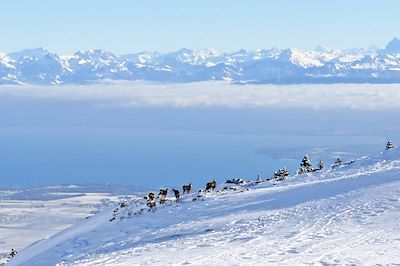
[277, 66]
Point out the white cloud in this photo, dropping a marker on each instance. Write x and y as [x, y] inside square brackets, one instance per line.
[219, 94]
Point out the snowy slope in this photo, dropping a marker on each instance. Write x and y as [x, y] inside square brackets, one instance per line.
[31, 214]
[323, 65]
[345, 215]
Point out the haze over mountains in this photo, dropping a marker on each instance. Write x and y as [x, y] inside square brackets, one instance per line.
[277, 66]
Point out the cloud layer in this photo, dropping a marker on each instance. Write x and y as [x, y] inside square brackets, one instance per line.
[219, 94]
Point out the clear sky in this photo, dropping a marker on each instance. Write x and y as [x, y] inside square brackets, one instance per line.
[126, 26]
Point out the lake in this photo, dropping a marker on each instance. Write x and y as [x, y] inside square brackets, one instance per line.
[80, 141]
[149, 157]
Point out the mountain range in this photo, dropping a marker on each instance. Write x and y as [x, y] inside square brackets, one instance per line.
[277, 66]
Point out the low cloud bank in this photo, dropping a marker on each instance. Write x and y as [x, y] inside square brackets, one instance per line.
[219, 94]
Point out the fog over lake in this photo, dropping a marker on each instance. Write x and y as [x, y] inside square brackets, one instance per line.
[168, 134]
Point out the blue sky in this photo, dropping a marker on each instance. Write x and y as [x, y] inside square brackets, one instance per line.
[125, 26]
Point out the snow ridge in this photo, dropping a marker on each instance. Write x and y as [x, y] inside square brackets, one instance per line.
[341, 215]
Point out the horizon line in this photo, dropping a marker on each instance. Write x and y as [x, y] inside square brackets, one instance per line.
[222, 51]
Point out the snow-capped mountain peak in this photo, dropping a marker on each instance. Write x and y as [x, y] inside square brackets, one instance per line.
[393, 47]
[6, 61]
[299, 58]
[185, 65]
[322, 48]
[29, 53]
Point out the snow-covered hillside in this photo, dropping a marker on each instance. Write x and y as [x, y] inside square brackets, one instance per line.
[343, 215]
[31, 214]
[323, 65]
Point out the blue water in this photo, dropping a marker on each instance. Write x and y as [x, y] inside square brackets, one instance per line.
[56, 142]
[32, 156]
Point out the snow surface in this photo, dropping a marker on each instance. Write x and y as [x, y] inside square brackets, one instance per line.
[343, 215]
[31, 214]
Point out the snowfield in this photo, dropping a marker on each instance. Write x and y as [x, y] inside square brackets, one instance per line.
[345, 215]
[40, 218]
[31, 214]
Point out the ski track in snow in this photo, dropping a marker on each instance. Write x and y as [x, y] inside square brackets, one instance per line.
[347, 215]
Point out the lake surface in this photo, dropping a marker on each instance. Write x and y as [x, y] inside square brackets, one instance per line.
[32, 156]
[72, 140]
